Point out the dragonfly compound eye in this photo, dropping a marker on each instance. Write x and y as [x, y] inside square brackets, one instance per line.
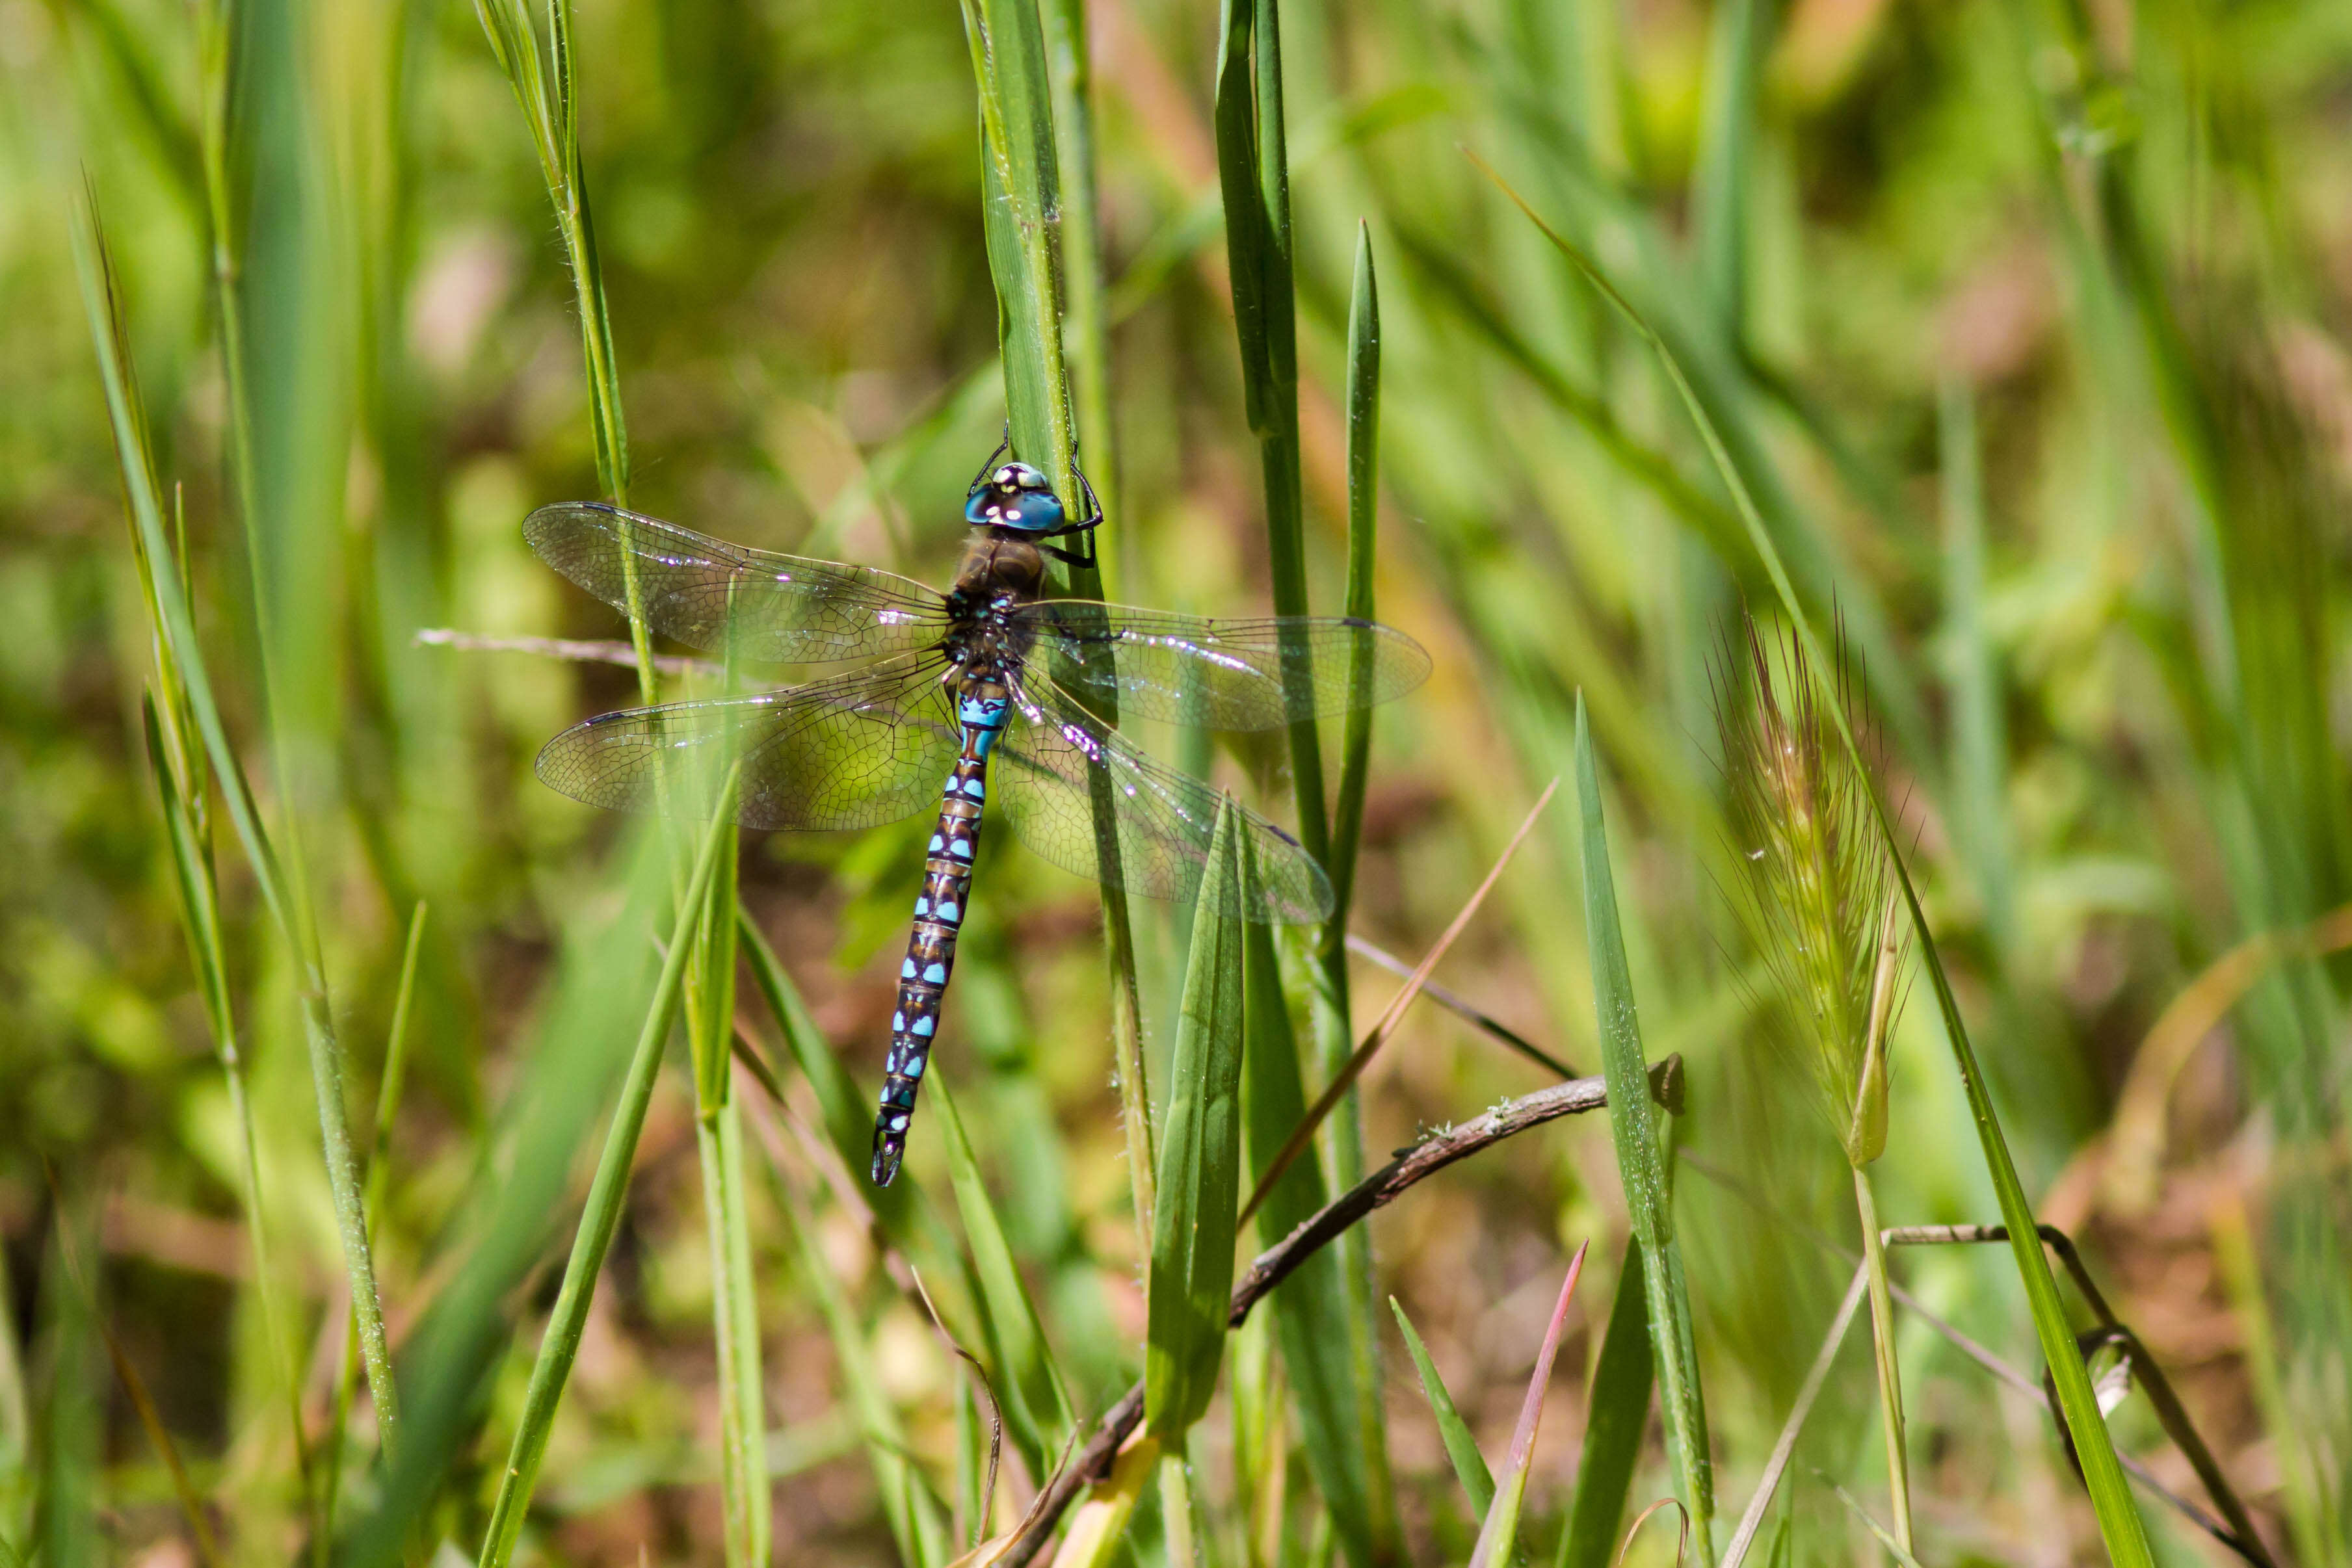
[1014, 496]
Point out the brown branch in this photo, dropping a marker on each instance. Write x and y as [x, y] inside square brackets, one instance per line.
[1278, 1263]
[2057, 1240]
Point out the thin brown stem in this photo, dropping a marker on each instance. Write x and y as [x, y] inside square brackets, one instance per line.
[1354, 1068]
[1278, 1263]
[2170, 1413]
[1463, 1007]
[2239, 1537]
[1786, 1445]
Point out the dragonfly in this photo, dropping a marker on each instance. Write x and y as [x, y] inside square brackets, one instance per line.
[985, 700]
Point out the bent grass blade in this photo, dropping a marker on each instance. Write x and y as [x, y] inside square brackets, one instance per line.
[1461, 1446]
[1641, 1168]
[559, 1345]
[176, 631]
[2119, 1522]
[1190, 1276]
[1500, 1533]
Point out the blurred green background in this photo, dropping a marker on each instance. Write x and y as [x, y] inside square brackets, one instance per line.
[2036, 316]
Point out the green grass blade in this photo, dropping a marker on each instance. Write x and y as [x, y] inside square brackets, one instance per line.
[1498, 1537]
[1254, 183]
[580, 1055]
[1191, 1279]
[101, 302]
[747, 1501]
[848, 1120]
[390, 1082]
[1035, 1400]
[1261, 1439]
[1236, 123]
[747, 1498]
[1461, 1446]
[1096, 1531]
[1455, 290]
[66, 1517]
[2119, 1523]
[606, 1193]
[710, 986]
[1084, 290]
[1314, 1317]
[199, 902]
[1894, 1548]
[1980, 762]
[1330, 1002]
[1363, 529]
[263, 153]
[1617, 1408]
[1632, 1123]
[1253, 174]
[1019, 187]
[1017, 125]
[393, 1079]
[541, 78]
[1723, 171]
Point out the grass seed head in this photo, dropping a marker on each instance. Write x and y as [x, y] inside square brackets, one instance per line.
[1814, 885]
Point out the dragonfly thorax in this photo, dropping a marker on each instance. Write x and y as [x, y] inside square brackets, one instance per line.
[996, 568]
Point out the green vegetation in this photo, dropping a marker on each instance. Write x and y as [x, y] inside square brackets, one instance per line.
[1886, 468]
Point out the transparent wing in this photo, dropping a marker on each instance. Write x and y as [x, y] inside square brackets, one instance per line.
[1221, 674]
[854, 751]
[775, 609]
[1039, 776]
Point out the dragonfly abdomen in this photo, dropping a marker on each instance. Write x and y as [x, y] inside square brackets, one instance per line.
[939, 913]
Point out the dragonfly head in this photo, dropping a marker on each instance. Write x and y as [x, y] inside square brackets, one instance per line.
[1015, 497]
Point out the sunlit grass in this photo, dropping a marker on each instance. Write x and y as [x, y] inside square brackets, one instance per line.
[2004, 337]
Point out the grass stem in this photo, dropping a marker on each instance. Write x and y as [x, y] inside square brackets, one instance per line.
[1176, 1507]
[1890, 1377]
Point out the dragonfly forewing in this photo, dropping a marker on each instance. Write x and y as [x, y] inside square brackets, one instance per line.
[1220, 674]
[1044, 781]
[856, 752]
[756, 604]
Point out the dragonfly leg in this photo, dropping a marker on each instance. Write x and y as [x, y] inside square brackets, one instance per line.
[1079, 558]
[1094, 503]
[1083, 530]
[1001, 448]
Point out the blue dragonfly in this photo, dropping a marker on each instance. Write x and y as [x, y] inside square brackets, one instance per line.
[984, 698]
